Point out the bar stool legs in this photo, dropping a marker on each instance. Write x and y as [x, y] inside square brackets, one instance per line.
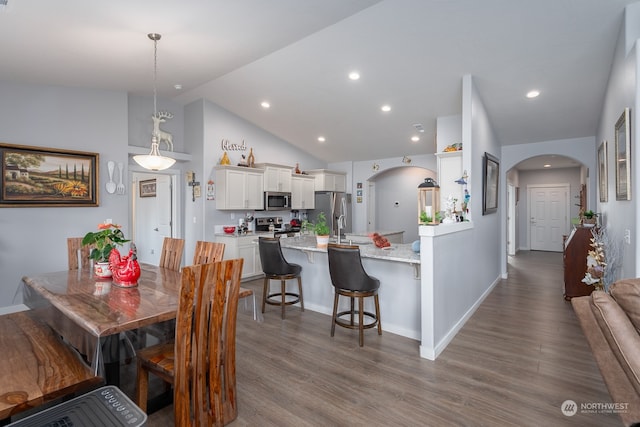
[269, 298]
[361, 326]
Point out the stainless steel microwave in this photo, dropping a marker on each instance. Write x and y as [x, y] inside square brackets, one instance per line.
[276, 201]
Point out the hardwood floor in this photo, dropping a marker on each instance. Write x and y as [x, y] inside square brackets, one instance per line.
[515, 361]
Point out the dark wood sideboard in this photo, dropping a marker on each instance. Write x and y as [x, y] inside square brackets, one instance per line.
[576, 247]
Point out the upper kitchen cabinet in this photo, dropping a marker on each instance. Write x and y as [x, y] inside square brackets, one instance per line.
[327, 180]
[239, 188]
[303, 192]
[276, 177]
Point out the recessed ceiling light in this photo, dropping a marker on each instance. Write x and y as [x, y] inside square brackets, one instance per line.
[321, 139]
[265, 104]
[547, 165]
[354, 75]
[177, 86]
[386, 108]
[415, 138]
[533, 94]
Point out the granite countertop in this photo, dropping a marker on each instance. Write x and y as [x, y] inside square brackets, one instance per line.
[248, 234]
[367, 233]
[397, 252]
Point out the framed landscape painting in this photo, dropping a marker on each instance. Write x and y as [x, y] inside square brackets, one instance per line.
[39, 177]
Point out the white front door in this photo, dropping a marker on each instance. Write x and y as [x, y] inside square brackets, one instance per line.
[548, 216]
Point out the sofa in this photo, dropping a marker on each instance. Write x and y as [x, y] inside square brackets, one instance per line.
[611, 324]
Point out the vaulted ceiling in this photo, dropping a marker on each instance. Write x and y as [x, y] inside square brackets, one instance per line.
[297, 54]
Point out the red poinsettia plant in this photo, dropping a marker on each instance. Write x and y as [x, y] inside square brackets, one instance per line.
[107, 238]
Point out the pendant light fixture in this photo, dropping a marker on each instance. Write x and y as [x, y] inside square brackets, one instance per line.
[154, 160]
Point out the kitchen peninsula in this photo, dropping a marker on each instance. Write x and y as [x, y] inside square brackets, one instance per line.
[397, 268]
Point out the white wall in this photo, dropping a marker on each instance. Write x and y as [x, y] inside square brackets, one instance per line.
[622, 91]
[33, 240]
[460, 269]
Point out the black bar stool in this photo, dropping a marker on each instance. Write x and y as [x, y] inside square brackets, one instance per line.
[350, 280]
[275, 267]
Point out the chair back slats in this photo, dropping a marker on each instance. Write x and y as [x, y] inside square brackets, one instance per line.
[77, 255]
[171, 253]
[207, 252]
[204, 377]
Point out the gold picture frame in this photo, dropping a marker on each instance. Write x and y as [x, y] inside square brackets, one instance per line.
[623, 157]
[603, 185]
[47, 177]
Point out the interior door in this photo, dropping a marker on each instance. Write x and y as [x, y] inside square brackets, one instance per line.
[548, 216]
[153, 219]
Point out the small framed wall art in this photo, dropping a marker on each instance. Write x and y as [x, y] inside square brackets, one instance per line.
[490, 177]
[148, 188]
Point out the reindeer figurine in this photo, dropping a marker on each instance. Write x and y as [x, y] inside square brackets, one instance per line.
[161, 117]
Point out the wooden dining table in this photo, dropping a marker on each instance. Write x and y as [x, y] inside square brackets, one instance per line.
[88, 311]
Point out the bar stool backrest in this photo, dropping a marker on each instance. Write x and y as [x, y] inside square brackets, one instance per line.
[273, 262]
[346, 270]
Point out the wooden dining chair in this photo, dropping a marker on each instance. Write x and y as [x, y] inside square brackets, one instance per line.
[207, 252]
[171, 256]
[78, 255]
[200, 363]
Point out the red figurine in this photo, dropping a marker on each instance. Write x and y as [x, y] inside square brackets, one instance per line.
[125, 270]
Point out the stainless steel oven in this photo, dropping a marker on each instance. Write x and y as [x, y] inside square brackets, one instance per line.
[275, 201]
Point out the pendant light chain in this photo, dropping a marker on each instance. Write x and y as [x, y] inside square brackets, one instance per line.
[155, 71]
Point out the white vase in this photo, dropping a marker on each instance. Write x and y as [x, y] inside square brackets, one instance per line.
[322, 241]
[101, 270]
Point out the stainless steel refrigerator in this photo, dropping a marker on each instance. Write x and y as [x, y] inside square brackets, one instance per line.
[336, 207]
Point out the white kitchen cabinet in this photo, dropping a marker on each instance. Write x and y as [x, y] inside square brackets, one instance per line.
[450, 170]
[327, 180]
[276, 177]
[239, 188]
[302, 192]
[245, 247]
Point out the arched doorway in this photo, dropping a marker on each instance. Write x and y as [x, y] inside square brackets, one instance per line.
[543, 194]
[391, 206]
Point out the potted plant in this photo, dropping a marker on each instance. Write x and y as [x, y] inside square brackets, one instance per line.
[103, 241]
[321, 229]
[589, 217]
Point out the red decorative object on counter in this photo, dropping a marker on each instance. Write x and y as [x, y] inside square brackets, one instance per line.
[125, 270]
[380, 241]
